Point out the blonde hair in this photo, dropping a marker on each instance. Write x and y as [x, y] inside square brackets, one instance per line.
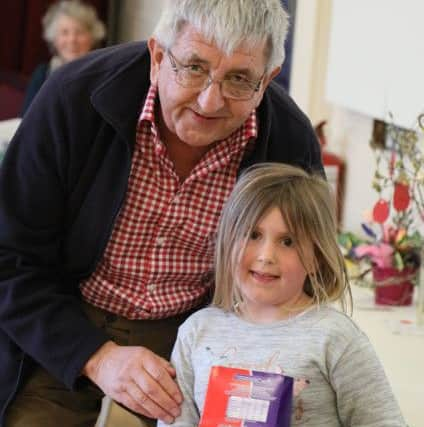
[86, 15]
[228, 23]
[307, 206]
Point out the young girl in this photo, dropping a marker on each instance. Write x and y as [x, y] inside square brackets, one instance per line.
[278, 268]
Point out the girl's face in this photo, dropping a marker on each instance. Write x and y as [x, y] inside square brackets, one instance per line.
[72, 38]
[270, 274]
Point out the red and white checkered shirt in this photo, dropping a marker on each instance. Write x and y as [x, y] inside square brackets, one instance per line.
[158, 260]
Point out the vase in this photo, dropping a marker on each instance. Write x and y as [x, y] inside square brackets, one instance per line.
[392, 286]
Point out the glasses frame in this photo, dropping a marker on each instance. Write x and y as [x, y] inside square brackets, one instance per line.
[178, 66]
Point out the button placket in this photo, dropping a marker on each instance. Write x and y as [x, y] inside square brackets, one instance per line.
[151, 287]
[160, 241]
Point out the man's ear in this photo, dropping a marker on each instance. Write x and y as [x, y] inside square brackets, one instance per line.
[156, 57]
[266, 82]
[270, 76]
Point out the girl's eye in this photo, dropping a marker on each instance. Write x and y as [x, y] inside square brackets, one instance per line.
[287, 242]
[254, 235]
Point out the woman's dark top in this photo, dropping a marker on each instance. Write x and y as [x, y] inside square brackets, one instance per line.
[38, 77]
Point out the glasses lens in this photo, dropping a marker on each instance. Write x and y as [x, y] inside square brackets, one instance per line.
[191, 79]
[197, 78]
[234, 90]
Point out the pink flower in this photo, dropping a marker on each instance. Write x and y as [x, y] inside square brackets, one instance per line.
[379, 253]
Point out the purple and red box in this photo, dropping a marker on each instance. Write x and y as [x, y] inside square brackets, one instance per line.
[247, 398]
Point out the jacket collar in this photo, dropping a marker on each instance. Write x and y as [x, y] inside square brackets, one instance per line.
[120, 98]
[260, 149]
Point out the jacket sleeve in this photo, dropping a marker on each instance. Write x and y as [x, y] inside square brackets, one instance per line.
[316, 156]
[39, 302]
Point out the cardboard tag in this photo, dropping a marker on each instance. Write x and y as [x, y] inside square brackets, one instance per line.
[246, 398]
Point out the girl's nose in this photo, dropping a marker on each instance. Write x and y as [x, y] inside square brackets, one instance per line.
[266, 253]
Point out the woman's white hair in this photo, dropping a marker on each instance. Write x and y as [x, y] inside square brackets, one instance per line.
[77, 10]
[228, 23]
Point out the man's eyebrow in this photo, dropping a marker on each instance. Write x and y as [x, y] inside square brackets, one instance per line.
[243, 70]
[246, 71]
[195, 58]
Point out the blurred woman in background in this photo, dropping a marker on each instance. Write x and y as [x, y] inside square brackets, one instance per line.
[71, 29]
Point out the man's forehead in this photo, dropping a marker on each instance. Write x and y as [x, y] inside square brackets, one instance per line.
[193, 43]
[198, 53]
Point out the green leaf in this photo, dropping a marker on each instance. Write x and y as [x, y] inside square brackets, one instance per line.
[398, 261]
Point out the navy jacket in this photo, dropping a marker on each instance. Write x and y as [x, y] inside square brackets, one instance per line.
[38, 77]
[62, 183]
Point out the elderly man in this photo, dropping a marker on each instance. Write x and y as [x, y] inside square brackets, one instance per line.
[110, 195]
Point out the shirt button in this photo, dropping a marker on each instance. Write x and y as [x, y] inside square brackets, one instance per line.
[151, 287]
[160, 241]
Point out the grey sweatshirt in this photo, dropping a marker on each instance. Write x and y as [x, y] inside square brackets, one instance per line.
[339, 380]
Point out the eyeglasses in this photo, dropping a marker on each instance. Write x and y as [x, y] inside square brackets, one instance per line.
[193, 76]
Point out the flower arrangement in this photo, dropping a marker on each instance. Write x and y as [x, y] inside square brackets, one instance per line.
[393, 237]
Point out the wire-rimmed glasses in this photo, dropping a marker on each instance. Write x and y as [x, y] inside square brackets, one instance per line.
[193, 76]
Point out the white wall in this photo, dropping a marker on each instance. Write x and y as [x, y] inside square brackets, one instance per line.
[137, 18]
[381, 49]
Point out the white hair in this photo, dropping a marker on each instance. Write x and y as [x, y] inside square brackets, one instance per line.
[83, 13]
[228, 23]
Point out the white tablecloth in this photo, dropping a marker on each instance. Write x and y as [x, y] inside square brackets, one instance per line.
[7, 130]
[399, 343]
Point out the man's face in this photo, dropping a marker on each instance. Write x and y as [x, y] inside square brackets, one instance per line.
[200, 117]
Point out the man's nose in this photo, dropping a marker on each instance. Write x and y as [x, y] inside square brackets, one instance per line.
[210, 99]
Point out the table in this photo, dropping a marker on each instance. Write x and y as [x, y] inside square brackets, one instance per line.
[399, 343]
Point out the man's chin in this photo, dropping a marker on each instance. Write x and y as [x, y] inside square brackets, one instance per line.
[198, 141]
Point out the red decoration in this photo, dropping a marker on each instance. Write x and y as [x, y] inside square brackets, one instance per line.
[381, 211]
[401, 196]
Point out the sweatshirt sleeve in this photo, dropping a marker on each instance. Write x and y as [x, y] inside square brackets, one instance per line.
[181, 360]
[364, 397]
